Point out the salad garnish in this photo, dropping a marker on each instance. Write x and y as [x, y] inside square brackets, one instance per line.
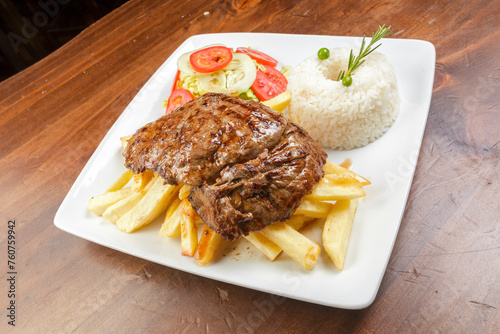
[246, 72]
[269, 83]
[258, 56]
[177, 98]
[211, 59]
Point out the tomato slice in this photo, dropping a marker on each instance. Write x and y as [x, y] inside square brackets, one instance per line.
[269, 84]
[178, 98]
[210, 59]
[176, 81]
[258, 56]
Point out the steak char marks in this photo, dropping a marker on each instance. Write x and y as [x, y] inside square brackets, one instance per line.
[249, 167]
[195, 142]
[250, 196]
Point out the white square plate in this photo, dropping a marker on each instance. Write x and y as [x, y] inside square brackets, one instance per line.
[389, 163]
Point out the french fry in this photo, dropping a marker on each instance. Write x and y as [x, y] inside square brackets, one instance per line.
[347, 163]
[172, 208]
[322, 192]
[171, 226]
[207, 246]
[298, 222]
[264, 245]
[340, 180]
[140, 181]
[337, 231]
[297, 246]
[124, 140]
[333, 171]
[149, 196]
[316, 209]
[198, 220]
[269, 248]
[115, 211]
[189, 235]
[331, 168]
[98, 204]
[346, 177]
[185, 191]
[121, 181]
[149, 207]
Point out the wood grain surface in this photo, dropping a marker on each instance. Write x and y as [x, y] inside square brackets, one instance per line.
[443, 275]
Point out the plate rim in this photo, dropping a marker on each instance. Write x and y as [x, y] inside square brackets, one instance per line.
[59, 221]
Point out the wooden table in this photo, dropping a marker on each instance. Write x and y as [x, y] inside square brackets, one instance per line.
[444, 272]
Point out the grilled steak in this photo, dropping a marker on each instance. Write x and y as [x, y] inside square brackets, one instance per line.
[195, 142]
[250, 196]
[249, 167]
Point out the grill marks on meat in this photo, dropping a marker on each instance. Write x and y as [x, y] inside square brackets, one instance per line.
[250, 196]
[250, 167]
[195, 142]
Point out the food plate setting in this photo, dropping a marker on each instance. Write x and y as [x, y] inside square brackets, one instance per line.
[388, 163]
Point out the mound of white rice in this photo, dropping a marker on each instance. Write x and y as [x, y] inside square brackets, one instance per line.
[340, 117]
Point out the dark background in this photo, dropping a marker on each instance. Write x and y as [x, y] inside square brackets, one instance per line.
[32, 29]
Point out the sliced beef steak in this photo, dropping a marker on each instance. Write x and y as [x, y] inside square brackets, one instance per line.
[252, 195]
[249, 167]
[195, 142]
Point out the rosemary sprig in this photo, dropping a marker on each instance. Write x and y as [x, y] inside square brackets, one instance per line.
[355, 62]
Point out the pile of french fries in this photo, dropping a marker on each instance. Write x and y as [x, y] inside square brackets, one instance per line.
[135, 200]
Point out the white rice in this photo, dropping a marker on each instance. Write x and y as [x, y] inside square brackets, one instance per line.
[340, 117]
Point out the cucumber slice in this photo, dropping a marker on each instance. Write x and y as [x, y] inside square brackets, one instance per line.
[214, 82]
[240, 73]
[237, 77]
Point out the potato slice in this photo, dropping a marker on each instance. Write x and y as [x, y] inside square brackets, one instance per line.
[316, 209]
[335, 192]
[298, 222]
[337, 231]
[333, 171]
[185, 191]
[115, 211]
[347, 163]
[340, 180]
[149, 207]
[209, 242]
[264, 245]
[121, 181]
[140, 181]
[189, 234]
[269, 248]
[98, 204]
[297, 246]
[124, 140]
[171, 226]
[331, 168]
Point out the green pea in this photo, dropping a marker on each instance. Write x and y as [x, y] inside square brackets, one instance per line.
[347, 81]
[323, 53]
